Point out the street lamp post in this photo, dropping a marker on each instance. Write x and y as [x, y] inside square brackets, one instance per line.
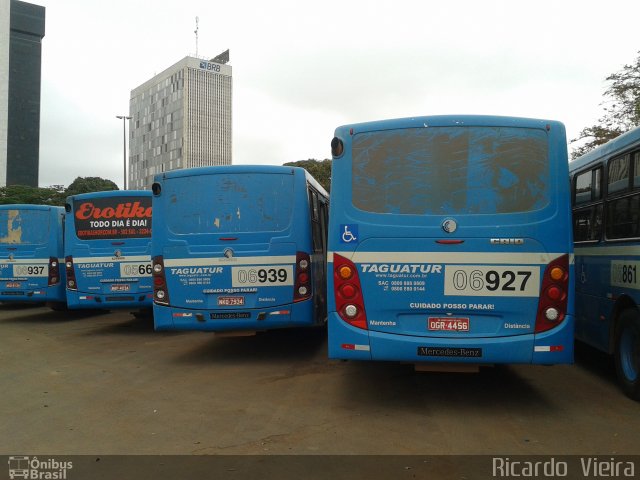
[124, 119]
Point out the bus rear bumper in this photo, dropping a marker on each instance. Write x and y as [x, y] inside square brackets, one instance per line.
[80, 300]
[33, 295]
[282, 316]
[552, 347]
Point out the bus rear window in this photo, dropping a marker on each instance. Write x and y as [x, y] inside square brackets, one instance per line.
[451, 170]
[24, 227]
[228, 204]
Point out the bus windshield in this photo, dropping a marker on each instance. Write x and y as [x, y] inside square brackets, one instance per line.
[226, 203]
[24, 227]
[451, 170]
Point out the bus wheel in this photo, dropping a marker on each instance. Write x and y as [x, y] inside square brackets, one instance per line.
[627, 353]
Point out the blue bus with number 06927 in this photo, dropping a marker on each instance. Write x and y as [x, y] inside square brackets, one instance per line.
[450, 242]
[239, 248]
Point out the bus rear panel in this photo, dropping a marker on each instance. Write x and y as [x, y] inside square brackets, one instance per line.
[31, 246]
[233, 249]
[108, 250]
[450, 242]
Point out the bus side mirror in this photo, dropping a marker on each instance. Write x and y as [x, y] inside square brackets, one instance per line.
[67, 207]
[156, 189]
[337, 147]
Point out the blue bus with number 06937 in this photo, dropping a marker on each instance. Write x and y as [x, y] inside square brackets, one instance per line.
[31, 248]
[239, 248]
[450, 242]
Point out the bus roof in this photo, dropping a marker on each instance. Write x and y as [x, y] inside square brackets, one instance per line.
[234, 169]
[109, 193]
[453, 120]
[625, 141]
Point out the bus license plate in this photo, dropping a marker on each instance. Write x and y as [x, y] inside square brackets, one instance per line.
[448, 324]
[14, 284]
[120, 287]
[230, 301]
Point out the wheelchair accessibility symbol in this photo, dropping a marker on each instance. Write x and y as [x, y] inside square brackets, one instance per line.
[349, 233]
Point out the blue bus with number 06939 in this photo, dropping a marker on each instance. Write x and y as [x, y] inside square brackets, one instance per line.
[450, 242]
[239, 248]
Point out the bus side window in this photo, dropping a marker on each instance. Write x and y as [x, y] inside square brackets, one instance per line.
[622, 221]
[316, 228]
[587, 224]
[587, 220]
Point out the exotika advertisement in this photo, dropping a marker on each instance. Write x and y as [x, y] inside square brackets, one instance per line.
[112, 217]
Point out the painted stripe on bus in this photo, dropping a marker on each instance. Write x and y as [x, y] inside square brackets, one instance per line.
[452, 258]
[126, 258]
[25, 260]
[607, 251]
[222, 261]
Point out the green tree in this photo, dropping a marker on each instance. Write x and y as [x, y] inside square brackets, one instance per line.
[319, 169]
[55, 194]
[31, 195]
[621, 110]
[90, 184]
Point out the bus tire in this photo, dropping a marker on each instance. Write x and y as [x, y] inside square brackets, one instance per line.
[627, 353]
[58, 306]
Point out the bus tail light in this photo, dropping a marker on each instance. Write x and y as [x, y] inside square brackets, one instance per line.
[552, 306]
[71, 274]
[348, 292]
[302, 284]
[160, 290]
[54, 271]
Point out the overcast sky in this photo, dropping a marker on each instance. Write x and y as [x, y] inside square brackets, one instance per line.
[301, 70]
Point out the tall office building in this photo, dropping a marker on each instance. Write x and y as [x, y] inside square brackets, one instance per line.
[21, 33]
[181, 118]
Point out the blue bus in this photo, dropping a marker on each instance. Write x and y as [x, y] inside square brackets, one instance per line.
[31, 241]
[606, 228]
[450, 242]
[239, 248]
[108, 250]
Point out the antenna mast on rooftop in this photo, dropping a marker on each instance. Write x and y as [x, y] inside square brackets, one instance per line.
[196, 32]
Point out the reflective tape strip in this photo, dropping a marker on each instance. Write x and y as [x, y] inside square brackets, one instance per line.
[351, 346]
[549, 348]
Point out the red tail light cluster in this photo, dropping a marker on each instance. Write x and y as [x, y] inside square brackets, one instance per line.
[552, 306]
[54, 271]
[71, 274]
[348, 292]
[160, 290]
[302, 284]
